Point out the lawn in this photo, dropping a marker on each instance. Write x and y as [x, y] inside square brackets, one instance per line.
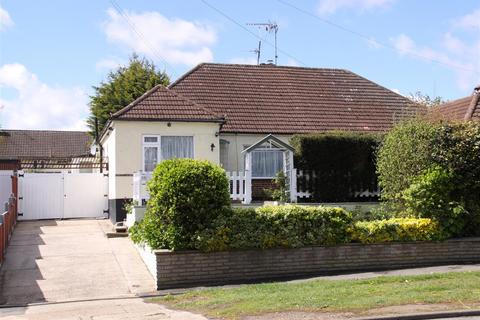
[330, 295]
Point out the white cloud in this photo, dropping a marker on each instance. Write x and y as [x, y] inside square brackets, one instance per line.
[39, 106]
[109, 63]
[328, 7]
[5, 20]
[292, 63]
[457, 55]
[469, 21]
[243, 60]
[396, 91]
[175, 40]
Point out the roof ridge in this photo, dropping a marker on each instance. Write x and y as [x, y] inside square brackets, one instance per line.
[136, 101]
[42, 130]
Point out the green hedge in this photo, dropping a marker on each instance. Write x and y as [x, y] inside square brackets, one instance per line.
[344, 162]
[186, 196]
[287, 226]
[396, 229]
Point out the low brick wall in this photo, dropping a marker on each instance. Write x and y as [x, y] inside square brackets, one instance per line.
[259, 186]
[193, 268]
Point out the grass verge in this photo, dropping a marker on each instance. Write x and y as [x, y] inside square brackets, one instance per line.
[330, 295]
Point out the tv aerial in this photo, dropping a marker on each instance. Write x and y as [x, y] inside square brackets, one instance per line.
[270, 27]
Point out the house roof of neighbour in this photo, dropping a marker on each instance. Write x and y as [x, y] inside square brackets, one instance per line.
[467, 108]
[285, 100]
[162, 104]
[43, 144]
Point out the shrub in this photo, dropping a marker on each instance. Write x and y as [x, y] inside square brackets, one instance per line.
[186, 196]
[405, 152]
[459, 153]
[431, 195]
[279, 192]
[287, 226]
[396, 229]
[342, 161]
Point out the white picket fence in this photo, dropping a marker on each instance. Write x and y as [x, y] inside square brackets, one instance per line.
[238, 186]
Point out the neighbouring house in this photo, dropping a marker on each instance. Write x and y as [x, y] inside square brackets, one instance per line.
[467, 108]
[37, 150]
[217, 111]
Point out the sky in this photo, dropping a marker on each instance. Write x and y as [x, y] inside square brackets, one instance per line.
[53, 51]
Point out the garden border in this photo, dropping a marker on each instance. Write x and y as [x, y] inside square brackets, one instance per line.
[184, 269]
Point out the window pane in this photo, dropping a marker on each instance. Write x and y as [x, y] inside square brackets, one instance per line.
[150, 139]
[266, 163]
[150, 157]
[177, 147]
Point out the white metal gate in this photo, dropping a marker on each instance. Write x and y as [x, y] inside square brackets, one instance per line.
[62, 195]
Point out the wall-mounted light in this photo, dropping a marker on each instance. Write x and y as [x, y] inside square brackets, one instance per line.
[169, 124]
[212, 146]
[216, 134]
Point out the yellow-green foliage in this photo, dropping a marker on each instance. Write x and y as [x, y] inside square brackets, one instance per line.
[396, 229]
[289, 226]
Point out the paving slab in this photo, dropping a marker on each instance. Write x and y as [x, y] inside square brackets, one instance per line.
[58, 260]
[109, 309]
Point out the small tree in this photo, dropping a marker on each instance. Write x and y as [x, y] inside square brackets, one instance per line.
[426, 100]
[123, 86]
[406, 152]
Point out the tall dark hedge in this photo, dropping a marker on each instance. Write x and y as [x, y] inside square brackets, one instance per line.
[344, 162]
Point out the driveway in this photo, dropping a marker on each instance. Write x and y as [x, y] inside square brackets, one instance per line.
[70, 260]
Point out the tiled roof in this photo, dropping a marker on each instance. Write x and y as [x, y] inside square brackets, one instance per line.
[160, 103]
[277, 99]
[42, 144]
[461, 109]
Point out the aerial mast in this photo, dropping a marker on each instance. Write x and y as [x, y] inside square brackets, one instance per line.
[269, 27]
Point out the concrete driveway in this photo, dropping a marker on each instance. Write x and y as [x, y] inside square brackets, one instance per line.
[69, 260]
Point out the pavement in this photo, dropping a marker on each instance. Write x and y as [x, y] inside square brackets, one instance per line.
[72, 265]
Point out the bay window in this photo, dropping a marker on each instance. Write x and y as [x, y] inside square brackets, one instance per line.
[266, 163]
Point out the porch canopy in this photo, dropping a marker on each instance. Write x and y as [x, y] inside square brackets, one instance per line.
[272, 142]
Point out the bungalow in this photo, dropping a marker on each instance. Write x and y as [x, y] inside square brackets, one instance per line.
[220, 112]
[44, 149]
[467, 108]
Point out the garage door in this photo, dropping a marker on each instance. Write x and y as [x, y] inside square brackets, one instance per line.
[62, 195]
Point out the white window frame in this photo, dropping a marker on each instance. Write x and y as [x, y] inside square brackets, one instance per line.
[158, 145]
[266, 149]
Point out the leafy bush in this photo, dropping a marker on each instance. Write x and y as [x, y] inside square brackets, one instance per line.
[459, 153]
[431, 195]
[343, 162]
[405, 152]
[396, 229]
[279, 192]
[186, 196]
[276, 226]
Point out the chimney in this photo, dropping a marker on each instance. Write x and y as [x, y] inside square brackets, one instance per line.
[473, 103]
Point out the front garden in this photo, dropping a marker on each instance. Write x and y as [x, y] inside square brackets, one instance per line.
[430, 179]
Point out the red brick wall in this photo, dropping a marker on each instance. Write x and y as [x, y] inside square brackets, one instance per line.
[9, 165]
[258, 185]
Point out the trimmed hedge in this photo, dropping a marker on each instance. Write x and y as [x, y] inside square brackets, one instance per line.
[288, 226]
[186, 196]
[396, 229]
[344, 162]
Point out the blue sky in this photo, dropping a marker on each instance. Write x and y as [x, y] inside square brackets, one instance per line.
[53, 51]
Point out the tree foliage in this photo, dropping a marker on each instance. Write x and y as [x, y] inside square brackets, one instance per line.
[123, 86]
[426, 100]
[405, 152]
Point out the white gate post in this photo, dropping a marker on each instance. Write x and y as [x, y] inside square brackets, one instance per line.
[248, 178]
